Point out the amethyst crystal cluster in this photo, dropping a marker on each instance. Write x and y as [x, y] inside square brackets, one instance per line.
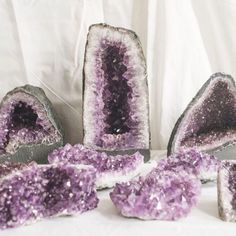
[115, 91]
[110, 169]
[202, 165]
[45, 191]
[164, 195]
[209, 122]
[227, 191]
[29, 128]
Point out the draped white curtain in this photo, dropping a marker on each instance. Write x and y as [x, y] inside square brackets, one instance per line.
[42, 43]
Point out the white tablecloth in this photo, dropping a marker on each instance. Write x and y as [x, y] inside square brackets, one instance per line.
[105, 221]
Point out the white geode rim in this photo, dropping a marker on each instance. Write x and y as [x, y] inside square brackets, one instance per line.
[96, 34]
[182, 124]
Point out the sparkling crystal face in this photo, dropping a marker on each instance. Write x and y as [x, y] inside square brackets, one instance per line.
[116, 91]
[232, 184]
[23, 120]
[210, 120]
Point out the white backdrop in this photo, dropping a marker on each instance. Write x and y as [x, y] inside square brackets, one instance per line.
[42, 43]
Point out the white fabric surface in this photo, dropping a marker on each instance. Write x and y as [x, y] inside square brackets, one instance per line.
[42, 43]
[105, 220]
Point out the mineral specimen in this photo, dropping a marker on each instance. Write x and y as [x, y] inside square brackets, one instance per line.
[209, 122]
[202, 165]
[116, 115]
[45, 191]
[29, 128]
[227, 191]
[164, 195]
[110, 169]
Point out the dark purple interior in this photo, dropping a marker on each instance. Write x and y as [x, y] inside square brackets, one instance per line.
[214, 119]
[116, 91]
[232, 185]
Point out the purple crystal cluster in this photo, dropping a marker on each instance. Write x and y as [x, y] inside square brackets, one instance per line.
[110, 169]
[202, 165]
[115, 94]
[227, 191]
[209, 122]
[163, 195]
[45, 191]
[24, 120]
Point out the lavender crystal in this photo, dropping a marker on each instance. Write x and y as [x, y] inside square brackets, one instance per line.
[110, 169]
[115, 94]
[227, 191]
[29, 128]
[45, 191]
[163, 195]
[209, 121]
[202, 165]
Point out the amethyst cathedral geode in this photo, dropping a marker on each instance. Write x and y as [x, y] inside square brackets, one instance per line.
[161, 195]
[209, 121]
[40, 191]
[115, 113]
[227, 191]
[29, 127]
[110, 169]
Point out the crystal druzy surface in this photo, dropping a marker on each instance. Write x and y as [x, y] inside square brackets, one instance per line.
[227, 191]
[202, 165]
[45, 191]
[209, 122]
[110, 169]
[29, 127]
[164, 195]
[115, 90]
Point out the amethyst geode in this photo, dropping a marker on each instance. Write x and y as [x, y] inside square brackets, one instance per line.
[29, 127]
[209, 122]
[164, 195]
[110, 169]
[46, 191]
[227, 191]
[202, 165]
[115, 114]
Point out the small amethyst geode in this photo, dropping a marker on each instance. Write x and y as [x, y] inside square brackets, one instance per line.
[116, 115]
[204, 166]
[110, 169]
[209, 121]
[227, 191]
[164, 195]
[46, 191]
[29, 127]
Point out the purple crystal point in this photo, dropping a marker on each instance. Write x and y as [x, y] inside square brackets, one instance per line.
[110, 169]
[46, 191]
[209, 121]
[29, 128]
[202, 165]
[163, 195]
[116, 93]
[227, 191]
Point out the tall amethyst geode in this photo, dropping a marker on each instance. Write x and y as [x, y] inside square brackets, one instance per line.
[115, 114]
[209, 121]
[227, 191]
[164, 195]
[29, 127]
[110, 169]
[43, 191]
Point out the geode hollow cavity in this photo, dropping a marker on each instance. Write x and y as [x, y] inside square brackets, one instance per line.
[227, 191]
[29, 127]
[204, 166]
[43, 191]
[115, 115]
[209, 121]
[164, 195]
[110, 169]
